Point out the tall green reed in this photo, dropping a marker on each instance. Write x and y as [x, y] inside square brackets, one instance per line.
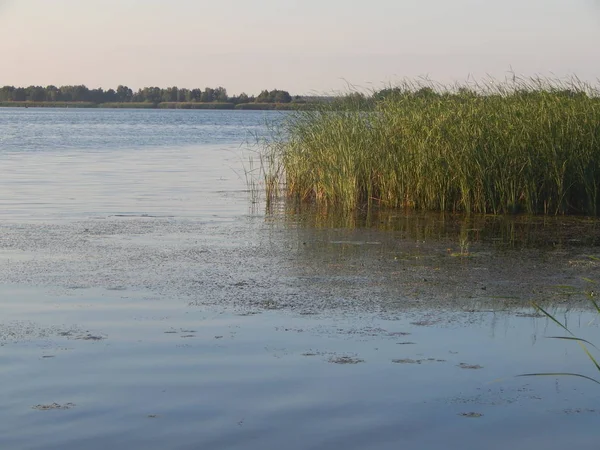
[524, 146]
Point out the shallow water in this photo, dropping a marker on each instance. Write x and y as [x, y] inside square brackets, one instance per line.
[146, 302]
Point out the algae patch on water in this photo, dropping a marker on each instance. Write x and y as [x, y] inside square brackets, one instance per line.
[470, 366]
[54, 406]
[345, 360]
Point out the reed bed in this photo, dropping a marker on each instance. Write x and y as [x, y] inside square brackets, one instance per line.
[530, 146]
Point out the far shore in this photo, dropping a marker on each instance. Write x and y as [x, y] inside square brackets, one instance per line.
[163, 105]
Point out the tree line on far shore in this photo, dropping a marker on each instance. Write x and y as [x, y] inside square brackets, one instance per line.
[218, 98]
[124, 94]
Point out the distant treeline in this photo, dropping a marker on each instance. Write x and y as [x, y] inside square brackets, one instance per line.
[148, 95]
[217, 98]
[165, 105]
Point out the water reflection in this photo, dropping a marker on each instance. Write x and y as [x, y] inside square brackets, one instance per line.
[435, 265]
[512, 231]
[252, 381]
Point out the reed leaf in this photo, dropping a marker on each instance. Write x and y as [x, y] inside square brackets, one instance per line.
[567, 338]
[559, 374]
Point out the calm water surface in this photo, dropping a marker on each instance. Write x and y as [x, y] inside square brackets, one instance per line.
[146, 302]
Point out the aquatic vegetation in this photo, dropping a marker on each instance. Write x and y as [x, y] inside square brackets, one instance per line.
[417, 361]
[263, 170]
[470, 366]
[346, 360]
[529, 146]
[571, 337]
[54, 406]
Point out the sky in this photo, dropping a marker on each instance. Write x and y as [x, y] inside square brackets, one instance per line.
[303, 46]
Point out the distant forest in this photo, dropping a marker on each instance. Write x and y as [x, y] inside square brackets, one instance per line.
[207, 98]
[153, 95]
[217, 98]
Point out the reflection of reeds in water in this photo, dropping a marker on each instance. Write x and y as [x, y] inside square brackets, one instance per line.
[571, 337]
[529, 146]
[457, 229]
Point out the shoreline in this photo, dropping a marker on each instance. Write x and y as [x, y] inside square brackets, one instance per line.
[165, 105]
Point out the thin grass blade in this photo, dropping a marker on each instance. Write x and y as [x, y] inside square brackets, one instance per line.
[569, 338]
[595, 303]
[558, 374]
[551, 317]
[587, 352]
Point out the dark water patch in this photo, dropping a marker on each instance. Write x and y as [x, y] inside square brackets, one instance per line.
[577, 411]
[90, 337]
[140, 215]
[270, 305]
[500, 395]
[117, 288]
[14, 332]
[531, 315]
[54, 406]
[417, 361]
[425, 322]
[345, 360]
[249, 313]
[470, 366]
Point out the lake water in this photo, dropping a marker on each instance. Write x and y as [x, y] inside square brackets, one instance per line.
[148, 301]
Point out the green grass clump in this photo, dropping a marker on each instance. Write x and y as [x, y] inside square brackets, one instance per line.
[526, 146]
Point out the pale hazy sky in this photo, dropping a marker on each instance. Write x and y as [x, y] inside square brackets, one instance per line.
[300, 45]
